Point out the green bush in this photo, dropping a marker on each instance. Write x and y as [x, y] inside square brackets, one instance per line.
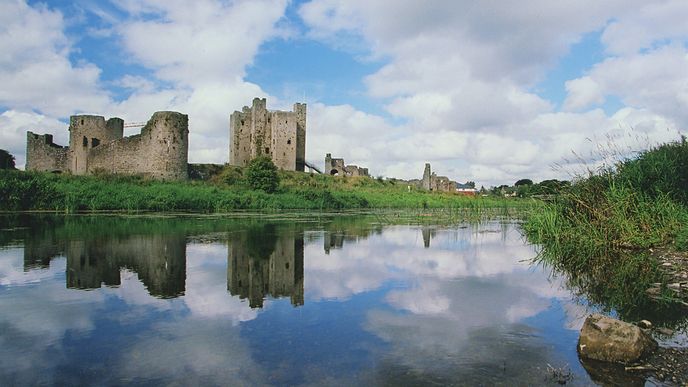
[261, 174]
[6, 160]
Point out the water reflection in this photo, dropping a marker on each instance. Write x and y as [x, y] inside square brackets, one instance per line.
[159, 260]
[211, 300]
[263, 262]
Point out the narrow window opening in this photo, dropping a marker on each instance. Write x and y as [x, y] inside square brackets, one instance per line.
[82, 121]
[267, 150]
[85, 141]
[289, 142]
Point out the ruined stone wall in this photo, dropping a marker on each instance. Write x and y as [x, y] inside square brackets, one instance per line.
[300, 110]
[87, 132]
[122, 156]
[354, 170]
[432, 182]
[260, 133]
[96, 145]
[255, 131]
[45, 156]
[443, 184]
[284, 136]
[239, 138]
[336, 166]
[426, 177]
[166, 137]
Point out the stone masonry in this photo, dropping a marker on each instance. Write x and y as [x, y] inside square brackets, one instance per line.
[337, 167]
[160, 151]
[432, 182]
[280, 135]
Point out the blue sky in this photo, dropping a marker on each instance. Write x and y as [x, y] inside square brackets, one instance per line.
[484, 92]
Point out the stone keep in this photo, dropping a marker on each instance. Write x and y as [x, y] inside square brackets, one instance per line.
[160, 151]
[280, 135]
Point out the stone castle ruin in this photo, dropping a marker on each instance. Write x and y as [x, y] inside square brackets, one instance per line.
[336, 167]
[432, 182]
[280, 135]
[160, 151]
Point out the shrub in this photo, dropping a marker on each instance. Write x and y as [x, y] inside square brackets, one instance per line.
[230, 175]
[261, 174]
[6, 160]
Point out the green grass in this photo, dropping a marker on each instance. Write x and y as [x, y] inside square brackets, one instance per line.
[600, 228]
[225, 192]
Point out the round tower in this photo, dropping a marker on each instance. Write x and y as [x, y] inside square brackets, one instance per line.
[166, 136]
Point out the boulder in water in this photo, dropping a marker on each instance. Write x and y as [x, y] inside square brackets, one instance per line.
[607, 339]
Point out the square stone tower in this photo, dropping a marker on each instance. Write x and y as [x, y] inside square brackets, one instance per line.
[280, 135]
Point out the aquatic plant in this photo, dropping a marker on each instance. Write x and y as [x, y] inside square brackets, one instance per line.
[600, 228]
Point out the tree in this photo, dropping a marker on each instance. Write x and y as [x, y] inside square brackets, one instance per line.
[524, 182]
[261, 174]
[6, 160]
[470, 184]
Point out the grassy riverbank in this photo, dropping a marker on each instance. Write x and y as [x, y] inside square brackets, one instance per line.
[602, 229]
[21, 191]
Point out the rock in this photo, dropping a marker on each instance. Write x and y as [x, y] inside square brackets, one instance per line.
[645, 324]
[607, 339]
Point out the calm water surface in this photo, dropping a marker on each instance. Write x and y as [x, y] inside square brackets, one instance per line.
[107, 300]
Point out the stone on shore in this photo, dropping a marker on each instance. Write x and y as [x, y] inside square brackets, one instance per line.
[607, 339]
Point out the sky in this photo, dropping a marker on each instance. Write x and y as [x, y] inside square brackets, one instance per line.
[485, 91]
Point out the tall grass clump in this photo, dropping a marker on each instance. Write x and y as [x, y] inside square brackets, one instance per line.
[603, 224]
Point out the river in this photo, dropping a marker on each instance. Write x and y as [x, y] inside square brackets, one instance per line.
[304, 300]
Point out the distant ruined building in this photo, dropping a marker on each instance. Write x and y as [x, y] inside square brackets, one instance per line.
[432, 182]
[160, 151]
[280, 135]
[337, 167]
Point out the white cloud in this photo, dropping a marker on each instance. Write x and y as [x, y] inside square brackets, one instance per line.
[204, 43]
[656, 80]
[641, 27]
[582, 92]
[35, 69]
[469, 68]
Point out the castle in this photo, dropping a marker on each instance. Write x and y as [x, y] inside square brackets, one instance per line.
[280, 135]
[160, 151]
[337, 167]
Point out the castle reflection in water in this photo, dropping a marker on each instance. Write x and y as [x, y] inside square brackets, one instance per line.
[265, 262]
[263, 259]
